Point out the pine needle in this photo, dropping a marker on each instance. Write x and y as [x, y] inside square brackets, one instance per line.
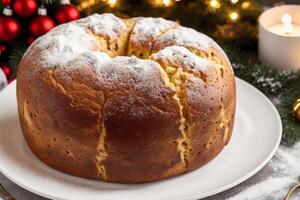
[48, 1]
[16, 54]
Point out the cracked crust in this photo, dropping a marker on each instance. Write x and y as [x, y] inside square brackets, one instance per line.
[144, 33]
[123, 119]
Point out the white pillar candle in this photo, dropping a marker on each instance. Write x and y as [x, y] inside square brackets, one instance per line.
[279, 37]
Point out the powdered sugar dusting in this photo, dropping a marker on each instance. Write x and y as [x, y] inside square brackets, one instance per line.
[286, 173]
[131, 65]
[67, 41]
[141, 75]
[183, 36]
[180, 56]
[102, 57]
[267, 189]
[148, 29]
[63, 44]
[106, 24]
[94, 58]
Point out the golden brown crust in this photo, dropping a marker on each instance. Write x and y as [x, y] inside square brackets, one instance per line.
[208, 106]
[122, 119]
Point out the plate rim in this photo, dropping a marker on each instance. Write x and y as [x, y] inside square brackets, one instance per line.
[196, 196]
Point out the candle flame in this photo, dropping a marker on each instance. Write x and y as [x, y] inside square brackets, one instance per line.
[287, 22]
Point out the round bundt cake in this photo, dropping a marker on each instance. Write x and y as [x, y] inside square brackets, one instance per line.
[125, 100]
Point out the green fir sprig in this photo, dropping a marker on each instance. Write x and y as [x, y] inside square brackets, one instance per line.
[46, 2]
[16, 54]
[291, 127]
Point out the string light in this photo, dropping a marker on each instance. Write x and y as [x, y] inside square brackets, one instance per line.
[214, 4]
[245, 5]
[86, 4]
[234, 1]
[234, 16]
[112, 3]
[166, 3]
[160, 3]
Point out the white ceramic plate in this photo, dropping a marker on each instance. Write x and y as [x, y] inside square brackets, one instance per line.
[257, 134]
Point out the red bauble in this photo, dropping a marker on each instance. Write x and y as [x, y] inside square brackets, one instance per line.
[10, 28]
[7, 70]
[2, 48]
[66, 13]
[40, 25]
[25, 8]
[6, 2]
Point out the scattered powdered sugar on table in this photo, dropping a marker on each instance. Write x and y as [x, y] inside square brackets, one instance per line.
[285, 167]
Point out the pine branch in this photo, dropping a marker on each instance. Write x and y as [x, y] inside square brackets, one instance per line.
[47, 2]
[270, 81]
[16, 54]
[291, 127]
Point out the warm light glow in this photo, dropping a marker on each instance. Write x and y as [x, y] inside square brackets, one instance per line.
[87, 4]
[166, 2]
[214, 4]
[246, 5]
[84, 4]
[287, 21]
[112, 3]
[234, 1]
[162, 3]
[234, 16]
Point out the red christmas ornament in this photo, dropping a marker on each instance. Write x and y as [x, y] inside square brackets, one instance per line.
[2, 48]
[7, 70]
[10, 28]
[66, 12]
[6, 2]
[25, 8]
[41, 24]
